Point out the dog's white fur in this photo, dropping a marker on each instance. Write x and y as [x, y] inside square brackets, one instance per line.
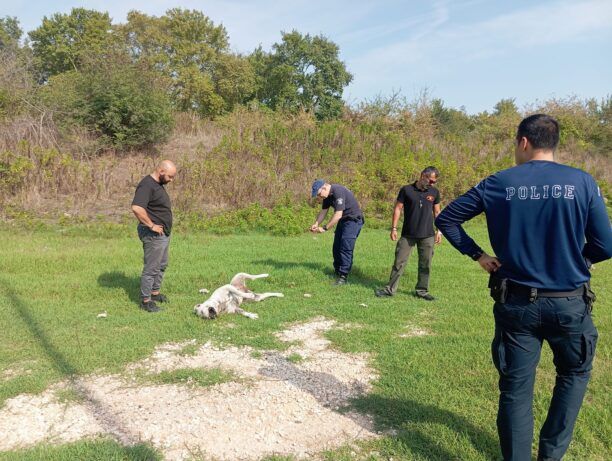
[228, 298]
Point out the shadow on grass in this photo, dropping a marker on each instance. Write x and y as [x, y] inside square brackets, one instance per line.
[356, 277]
[396, 414]
[67, 370]
[116, 279]
[388, 413]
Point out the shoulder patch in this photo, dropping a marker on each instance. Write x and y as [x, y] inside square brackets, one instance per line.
[339, 201]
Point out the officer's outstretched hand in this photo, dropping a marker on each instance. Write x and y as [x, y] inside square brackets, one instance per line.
[438, 239]
[489, 263]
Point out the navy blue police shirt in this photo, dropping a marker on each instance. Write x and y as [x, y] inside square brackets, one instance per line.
[342, 199]
[543, 220]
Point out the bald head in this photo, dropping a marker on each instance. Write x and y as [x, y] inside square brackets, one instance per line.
[165, 171]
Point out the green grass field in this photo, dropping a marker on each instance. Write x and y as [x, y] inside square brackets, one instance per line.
[438, 392]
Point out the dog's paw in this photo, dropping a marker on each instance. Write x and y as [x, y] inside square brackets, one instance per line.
[280, 295]
[251, 315]
[204, 291]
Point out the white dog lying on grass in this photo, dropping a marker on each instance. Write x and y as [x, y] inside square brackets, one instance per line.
[228, 298]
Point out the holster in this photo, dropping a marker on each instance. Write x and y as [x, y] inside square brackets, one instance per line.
[589, 296]
[499, 288]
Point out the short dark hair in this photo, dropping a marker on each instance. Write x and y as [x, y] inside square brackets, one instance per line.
[541, 130]
[430, 170]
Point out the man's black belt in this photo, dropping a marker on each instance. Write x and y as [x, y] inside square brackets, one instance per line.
[518, 289]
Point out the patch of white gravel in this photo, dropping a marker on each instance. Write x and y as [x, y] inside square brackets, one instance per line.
[20, 369]
[412, 331]
[275, 407]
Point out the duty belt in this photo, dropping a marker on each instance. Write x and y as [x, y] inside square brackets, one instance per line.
[534, 293]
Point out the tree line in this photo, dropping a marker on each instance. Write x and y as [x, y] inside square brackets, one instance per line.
[125, 80]
[80, 95]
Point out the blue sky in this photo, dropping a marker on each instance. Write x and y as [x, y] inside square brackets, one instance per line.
[469, 53]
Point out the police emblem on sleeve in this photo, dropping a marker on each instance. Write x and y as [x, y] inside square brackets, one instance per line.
[339, 201]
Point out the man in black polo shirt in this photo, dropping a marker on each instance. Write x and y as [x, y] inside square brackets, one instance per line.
[152, 207]
[349, 220]
[421, 204]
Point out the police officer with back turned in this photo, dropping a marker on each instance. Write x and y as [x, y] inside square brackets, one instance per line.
[547, 224]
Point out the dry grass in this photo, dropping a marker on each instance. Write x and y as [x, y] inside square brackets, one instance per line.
[249, 157]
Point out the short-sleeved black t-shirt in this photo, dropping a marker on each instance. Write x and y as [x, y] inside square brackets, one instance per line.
[152, 196]
[342, 199]
[418, 210]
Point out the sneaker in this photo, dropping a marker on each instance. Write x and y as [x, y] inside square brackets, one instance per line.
[149, 306]
[426, 296]
[382, 293]
[160, 298]
[341, 280]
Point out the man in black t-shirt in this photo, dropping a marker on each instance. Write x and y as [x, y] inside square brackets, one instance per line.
[349, 220]
[421, 204]
[152, 207]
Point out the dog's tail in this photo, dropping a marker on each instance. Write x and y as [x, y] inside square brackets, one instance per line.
[239, 280]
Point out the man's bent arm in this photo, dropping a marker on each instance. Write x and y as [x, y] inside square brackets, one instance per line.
[456, 213]
[321, 216]
[598, 246]
[142, 216]
[334, 219]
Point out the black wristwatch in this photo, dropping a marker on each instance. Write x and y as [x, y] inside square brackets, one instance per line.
[476, 255]
[324, 227]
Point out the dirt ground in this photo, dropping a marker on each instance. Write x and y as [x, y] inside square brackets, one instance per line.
[273, 406]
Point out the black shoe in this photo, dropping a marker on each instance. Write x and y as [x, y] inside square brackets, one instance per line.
[160, 298]
[383, 293]
[540, 458]
[341, 280]
[149, 306]
[426, 297]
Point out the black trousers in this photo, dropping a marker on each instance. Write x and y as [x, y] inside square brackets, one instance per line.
[520, 328]
[345, 237]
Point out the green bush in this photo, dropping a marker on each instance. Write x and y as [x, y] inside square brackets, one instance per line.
[123, 103]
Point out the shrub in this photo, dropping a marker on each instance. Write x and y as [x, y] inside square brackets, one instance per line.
[124, 104]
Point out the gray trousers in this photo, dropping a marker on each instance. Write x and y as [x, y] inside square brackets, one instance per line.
[425, 247]
[155, 248]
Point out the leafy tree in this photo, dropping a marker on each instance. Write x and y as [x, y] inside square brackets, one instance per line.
[189, 49]
[63, 41]
[506, 107]
[449, 120]
[234, 80]
[122, 102]
[10, 32]
[302, 73]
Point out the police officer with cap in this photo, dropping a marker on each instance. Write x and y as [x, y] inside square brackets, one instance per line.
[348, 219]
[547, 224]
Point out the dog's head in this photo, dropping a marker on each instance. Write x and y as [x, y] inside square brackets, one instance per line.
[206, 311]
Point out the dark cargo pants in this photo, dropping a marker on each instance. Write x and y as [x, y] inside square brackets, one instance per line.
[345, 237]
[155, 248]
[520, 328]
[425, 248]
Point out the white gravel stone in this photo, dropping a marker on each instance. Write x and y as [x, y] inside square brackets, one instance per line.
[276, 407]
